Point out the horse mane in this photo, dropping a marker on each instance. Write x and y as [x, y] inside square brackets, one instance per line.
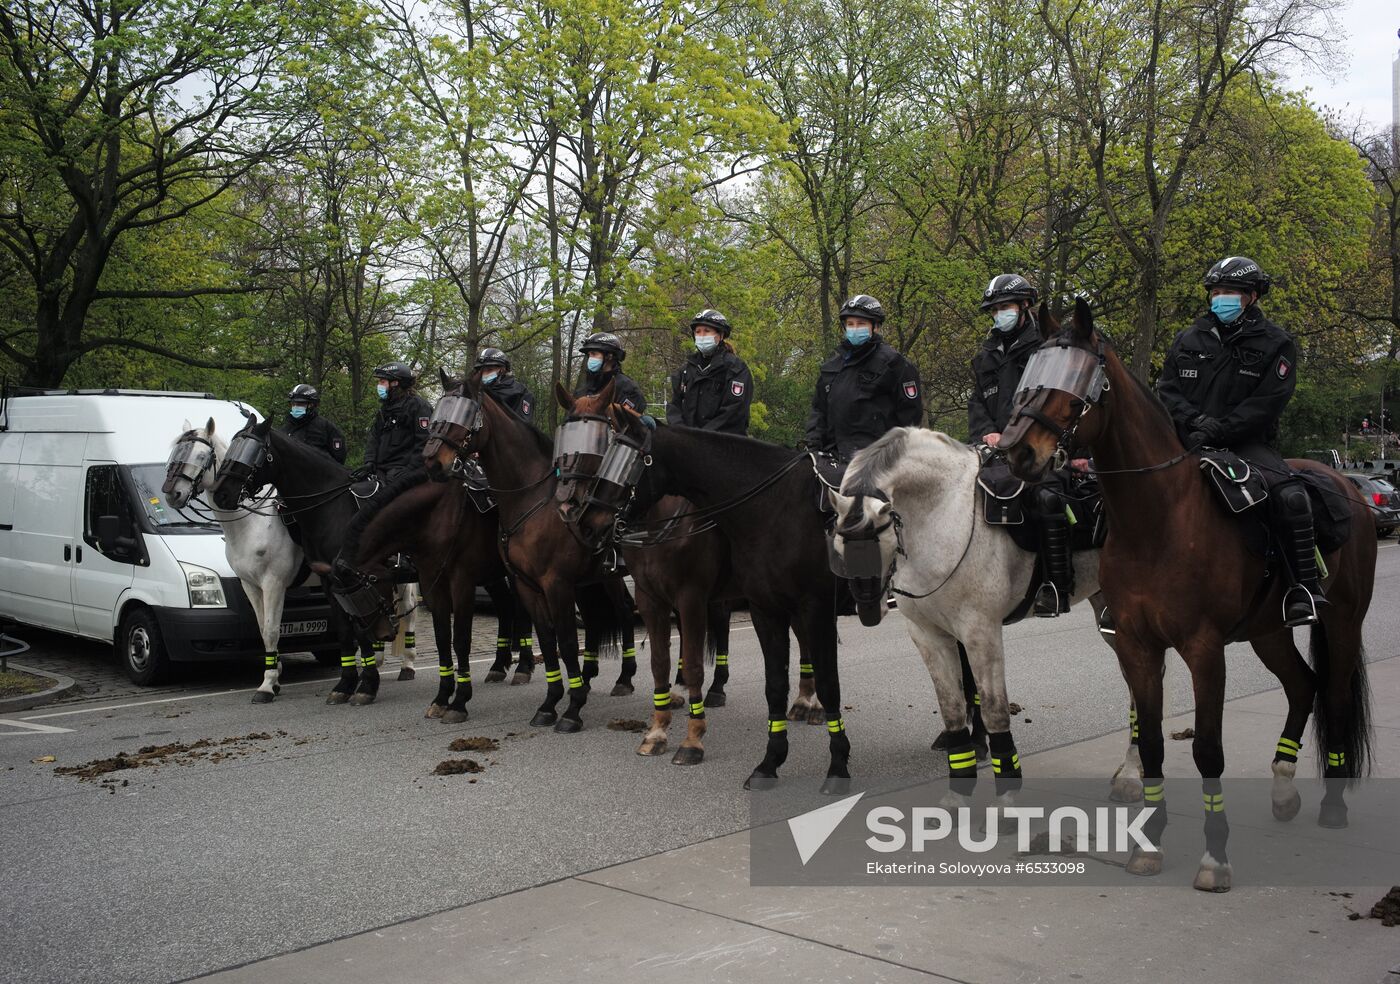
[409, 479]
[874, 460]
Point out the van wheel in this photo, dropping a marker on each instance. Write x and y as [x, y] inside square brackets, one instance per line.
[140, 649]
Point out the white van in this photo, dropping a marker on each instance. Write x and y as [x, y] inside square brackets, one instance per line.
[154, 582]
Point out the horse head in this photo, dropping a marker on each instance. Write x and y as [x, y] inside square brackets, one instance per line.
[244, 467]
[458, 429]
[600, 452]
[864, 546]
[366, 595]
[193, 464]
[1062, 387]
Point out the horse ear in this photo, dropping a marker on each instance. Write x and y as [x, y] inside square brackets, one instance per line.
[445, 379]
[1049, 326]
[208, 428]
[262, 427]
[565, 398]
[842, 503]
[882, 509]
[1082, 326]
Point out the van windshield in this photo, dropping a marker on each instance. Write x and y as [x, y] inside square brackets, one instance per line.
[147, 480]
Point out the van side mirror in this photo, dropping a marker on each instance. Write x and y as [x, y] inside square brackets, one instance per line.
[109, 535]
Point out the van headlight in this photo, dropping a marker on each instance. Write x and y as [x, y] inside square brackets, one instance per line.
[206, 590]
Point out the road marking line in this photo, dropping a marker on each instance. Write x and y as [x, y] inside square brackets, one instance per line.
[23, 728]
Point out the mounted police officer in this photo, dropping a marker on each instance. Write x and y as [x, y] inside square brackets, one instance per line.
[713, 389]
[305, 423]
[603, 358]
[500, 383]
[1226, 381]
[865, 389]
[996, 371]
[400, 428]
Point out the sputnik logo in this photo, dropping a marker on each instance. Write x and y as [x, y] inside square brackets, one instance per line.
[810, 830]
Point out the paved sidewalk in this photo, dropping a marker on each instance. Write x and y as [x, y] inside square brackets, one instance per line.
[691, 915]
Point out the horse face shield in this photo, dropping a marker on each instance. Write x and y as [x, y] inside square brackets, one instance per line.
[361, 599]
[246, 453]
[860, 558]
[188, 461]
[579, 449]
[454, 423]
[1059, 367]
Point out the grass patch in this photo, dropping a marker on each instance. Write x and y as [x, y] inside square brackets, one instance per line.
[17, 683]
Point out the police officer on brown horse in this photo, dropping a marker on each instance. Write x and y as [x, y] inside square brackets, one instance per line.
[713, 390]
[1226, 381]
[866, 389]
[603, 357]
[996, 371]
[494, 366]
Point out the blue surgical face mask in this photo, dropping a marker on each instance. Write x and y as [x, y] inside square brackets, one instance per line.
[595, 362]
[1006, 320]
[383, 391]
[858, 336]
[706, 343]
[298, 412]
[491, 378]
[1226, 307]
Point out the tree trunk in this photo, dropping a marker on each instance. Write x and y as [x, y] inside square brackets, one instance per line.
[1145, 330]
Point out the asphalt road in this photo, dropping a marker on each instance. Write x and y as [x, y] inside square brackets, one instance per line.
[334, 823]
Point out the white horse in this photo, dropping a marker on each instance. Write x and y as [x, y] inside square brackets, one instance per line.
[970, 575]
[257, 545]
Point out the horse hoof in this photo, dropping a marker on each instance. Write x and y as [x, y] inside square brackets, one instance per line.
[836, 785]
[652, 748]
[1332, 816]
[622, 689]
[980, 743]
[434, 711]
[495, 676]
[276, 689]
[262, 697]
[715, 698]
[677, 701]
[760, 782]
[941, 742]
[568, 726]
[520, 679]
[1212, 878]
[1146, 863]
[816, 715]
[453, 716]
[406, 674]
[543, 719]
[797, 712]
[360, 700]
[1125, 790]
[685, 755]
[1286, 810]
[337, 697]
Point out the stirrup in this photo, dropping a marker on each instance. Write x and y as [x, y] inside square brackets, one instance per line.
[1107, 627]
[1047, 603]
[1295, 594]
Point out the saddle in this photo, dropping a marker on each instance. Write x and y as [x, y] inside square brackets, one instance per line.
[1241, 489]
[1004, 503]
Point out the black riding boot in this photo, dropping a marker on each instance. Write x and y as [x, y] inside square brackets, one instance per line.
[1295, 526]
[1052, 598]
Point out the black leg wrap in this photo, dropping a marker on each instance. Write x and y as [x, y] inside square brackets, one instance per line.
[962, 765]
[1006, 764]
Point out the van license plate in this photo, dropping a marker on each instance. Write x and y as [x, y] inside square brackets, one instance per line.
[309, 627]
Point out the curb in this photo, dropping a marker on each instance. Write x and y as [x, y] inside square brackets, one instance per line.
[61, 685]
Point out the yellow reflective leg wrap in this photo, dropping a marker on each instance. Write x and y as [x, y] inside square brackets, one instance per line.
[1153, 793]
[1336, 760]
[269, 660]
[502, 642]
[805, 669]
[721, 659]
[835, 727]
[962, 761]
[1288, 749]
[553, 676]
[409, 640]
[444, 671]
[661, 699]
[575, 682]
[527, 642]
[379, 645]
[589, 657]
[347, 661]
[464, 679]
[1214, 802]
[976, 700]
[776, 726]
[1002, 763]
[630, 652]
[697, 708]
[1133, 722]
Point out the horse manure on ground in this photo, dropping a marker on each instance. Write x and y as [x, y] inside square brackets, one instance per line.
[1183, 734]
[176, 753]
[627, 724]
[1387, 910]
[478, 744]
[1014, 707]
[457, 767]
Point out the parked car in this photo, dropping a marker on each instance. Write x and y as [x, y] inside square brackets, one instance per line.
[89, 546]
[1382, 497]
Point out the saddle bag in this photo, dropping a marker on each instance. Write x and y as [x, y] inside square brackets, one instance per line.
[1001, 494]
[1239, 486]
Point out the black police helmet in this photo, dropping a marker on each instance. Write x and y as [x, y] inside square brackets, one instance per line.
[604, 341]
[1007, 287]
[395, 370]
[304, 393]
[1240, 272]
[863, 306]
[492, 357]
[712, 319]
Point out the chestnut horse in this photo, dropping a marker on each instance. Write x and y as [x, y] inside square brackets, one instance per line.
[1177, 572]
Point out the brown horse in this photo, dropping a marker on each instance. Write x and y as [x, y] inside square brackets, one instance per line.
[453, 545]
[551, 569]
[1177, 572]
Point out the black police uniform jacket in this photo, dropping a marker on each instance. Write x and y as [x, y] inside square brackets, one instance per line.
[862, 393]
[625, 391]
[317, 432]
[512, 392]
[1243, 378]
[996, 371]
[712, 393]
[397, 436]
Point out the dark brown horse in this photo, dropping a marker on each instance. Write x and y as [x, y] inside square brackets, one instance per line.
[550, 568]
[1177, 572]
[453, 545]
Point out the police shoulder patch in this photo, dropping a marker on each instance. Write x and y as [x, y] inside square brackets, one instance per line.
[422, 423]
[737, 387]
[1283, 368]
[525, 407]
[911, 389]
[629, 404]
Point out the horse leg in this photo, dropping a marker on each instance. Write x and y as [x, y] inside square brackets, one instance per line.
[1277, 652]
[717, 619]
[503, 600]
[545, 714]
[987, 657]
[974, 711]
[461, 641]
[1141, 663]
[804, 705]
[625, 607]
[1126, 784]
[1206, 660]
[692, 607]
[1342, 724]
[816, 630]
[561, 604]
[772, 630]
[406, 641]
[525, 665]
[349, 676]
[442, 636]
[657, 617]
[372, 651]
[939, 651]
[269, 687]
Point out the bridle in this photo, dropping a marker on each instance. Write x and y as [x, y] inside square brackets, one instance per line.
[612, 484]
[191, 457]
[1062, 366]
[859, 559]
[456, 420]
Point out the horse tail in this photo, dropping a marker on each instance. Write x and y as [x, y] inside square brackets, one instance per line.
[1353, 731]
[350, 546]
[602, 619]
